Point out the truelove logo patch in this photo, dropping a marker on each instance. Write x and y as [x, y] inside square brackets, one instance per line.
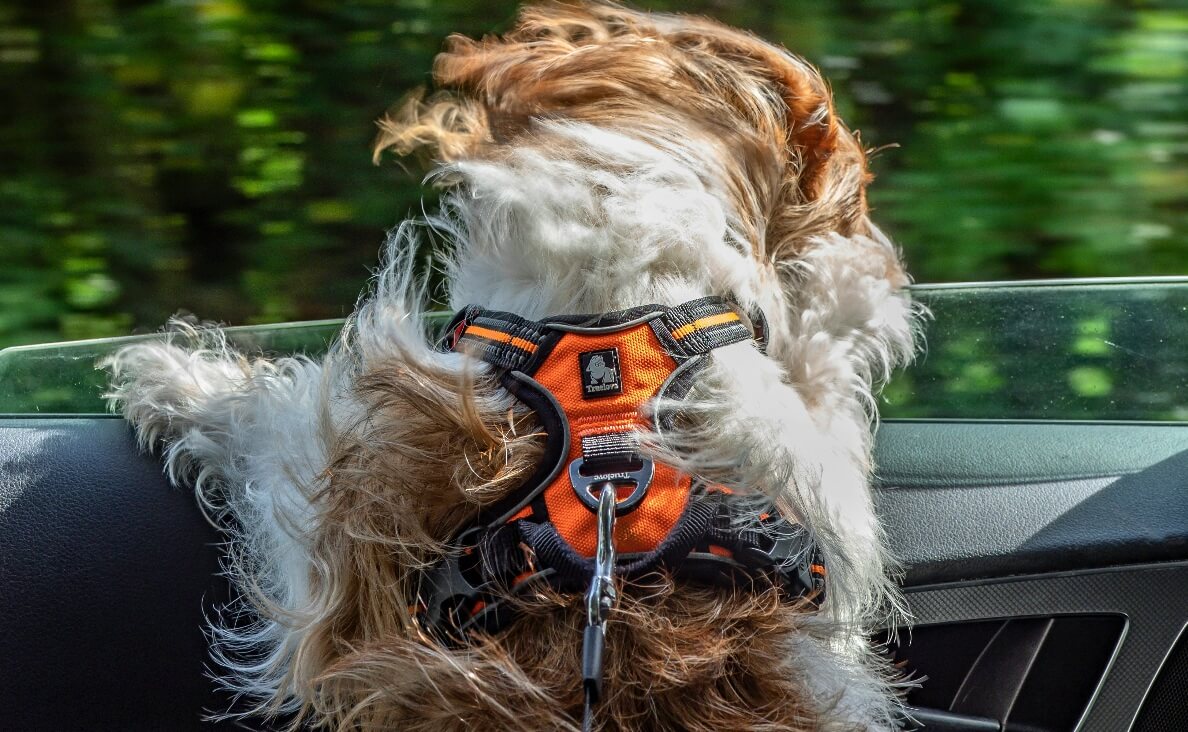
[600, 373]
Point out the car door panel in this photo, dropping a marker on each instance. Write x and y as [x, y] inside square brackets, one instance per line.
[1038, 522]
[972, 500]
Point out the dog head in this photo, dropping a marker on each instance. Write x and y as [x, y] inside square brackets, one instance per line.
[754, 125]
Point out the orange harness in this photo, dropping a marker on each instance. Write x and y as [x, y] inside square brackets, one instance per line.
[596, 506]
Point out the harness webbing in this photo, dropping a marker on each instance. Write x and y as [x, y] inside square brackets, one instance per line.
[507, 341]
[593, 382]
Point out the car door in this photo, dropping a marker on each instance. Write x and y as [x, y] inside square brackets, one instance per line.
[1031, 472]
[1035, 488]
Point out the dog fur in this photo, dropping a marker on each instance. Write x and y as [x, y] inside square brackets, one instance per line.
[593, 159]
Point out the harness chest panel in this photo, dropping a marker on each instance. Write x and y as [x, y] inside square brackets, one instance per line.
[643, 367]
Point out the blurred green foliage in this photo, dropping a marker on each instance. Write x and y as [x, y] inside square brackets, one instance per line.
[1104, 351]
[212, 156]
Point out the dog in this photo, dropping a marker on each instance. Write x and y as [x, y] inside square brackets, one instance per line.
[594, 160]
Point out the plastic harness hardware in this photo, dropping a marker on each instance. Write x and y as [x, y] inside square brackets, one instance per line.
[596, 508]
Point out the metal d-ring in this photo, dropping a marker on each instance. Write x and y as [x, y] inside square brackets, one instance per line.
[583, 485]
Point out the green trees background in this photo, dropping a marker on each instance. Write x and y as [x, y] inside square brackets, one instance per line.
[213, 156]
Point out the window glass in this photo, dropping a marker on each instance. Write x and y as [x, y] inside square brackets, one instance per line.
[1107, 350]
[1066, 350]
[63, 378]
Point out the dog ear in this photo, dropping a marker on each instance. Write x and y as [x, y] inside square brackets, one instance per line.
[820, 169]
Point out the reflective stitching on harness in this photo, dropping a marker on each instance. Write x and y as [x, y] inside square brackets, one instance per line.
[499, 337]
[702, 323]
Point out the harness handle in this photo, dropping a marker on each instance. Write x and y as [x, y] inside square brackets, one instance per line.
[590, 487]
[600, 598]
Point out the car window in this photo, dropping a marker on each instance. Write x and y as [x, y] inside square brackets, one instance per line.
[1102, 350]
[1056, 350]
[63, 378]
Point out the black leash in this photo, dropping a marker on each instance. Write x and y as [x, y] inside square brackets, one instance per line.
[600, 598]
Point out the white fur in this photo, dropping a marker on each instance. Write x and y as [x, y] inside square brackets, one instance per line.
[545, 234]
[247, 435]
[540, 234]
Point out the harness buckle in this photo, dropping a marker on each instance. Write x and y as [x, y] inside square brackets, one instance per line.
[446, 590]
[584, 485]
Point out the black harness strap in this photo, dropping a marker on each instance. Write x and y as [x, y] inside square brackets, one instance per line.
[504, 340]
[500, 561]
[700, 326]
[610, 452]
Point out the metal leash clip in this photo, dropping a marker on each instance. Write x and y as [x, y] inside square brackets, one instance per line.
[600, 598]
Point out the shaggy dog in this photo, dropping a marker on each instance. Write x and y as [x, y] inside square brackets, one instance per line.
[593, 159]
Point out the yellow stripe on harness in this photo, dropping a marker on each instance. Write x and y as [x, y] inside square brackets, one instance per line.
[703, 323]
[501, 337]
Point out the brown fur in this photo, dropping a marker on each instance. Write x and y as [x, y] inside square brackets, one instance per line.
[678, 657]
[433, 451]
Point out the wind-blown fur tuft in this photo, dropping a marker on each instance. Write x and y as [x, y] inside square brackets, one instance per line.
[594, 159]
